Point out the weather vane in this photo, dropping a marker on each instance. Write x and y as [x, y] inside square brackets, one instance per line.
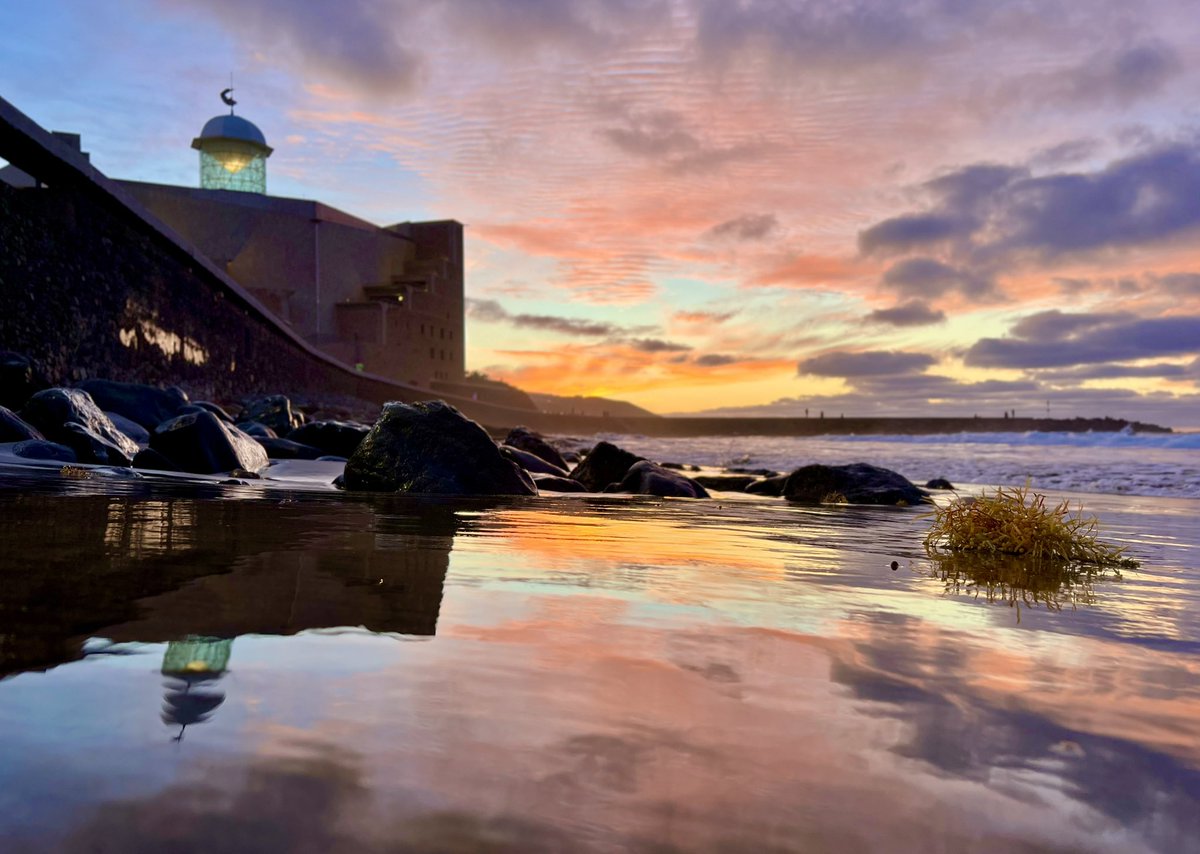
[227, 95]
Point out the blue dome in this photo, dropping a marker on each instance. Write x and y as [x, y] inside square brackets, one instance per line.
[232, 128]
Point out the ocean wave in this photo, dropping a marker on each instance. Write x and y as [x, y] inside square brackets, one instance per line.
[1119, 439]
[1163, 464]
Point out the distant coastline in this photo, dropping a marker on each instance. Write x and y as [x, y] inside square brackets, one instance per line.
[681, 426]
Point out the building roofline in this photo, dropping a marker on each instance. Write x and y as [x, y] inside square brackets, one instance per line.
[309, 208]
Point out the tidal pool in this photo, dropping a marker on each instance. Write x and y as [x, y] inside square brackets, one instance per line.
[196, 667]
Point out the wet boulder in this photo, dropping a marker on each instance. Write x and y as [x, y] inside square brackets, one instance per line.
[214, 409]
[939, 483]
[725, 482]
[432, 448]
[859, 483]
[606, 464]
[257, 430]
[92, 448]
[275, 411]
[755, 472]
[200, 442]
[132, 429]
[148, 458]
[39, 449]
[286, 449]
[531, 462]
[772, 486]
[647, 478]
[145, 404]
[19, 379]
[553, 483]
[340, 438]
[14, 429]
[532, 442]
[52, 409]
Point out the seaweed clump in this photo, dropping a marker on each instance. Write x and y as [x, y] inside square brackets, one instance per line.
[1017, 521]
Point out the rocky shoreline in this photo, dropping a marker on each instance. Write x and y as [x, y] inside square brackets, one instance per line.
[426, 448]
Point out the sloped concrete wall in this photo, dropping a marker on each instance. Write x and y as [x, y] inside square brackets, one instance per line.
[91, 285]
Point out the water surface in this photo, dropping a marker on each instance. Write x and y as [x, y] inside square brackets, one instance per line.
[248, 668]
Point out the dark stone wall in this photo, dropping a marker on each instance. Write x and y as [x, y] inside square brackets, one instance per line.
[89, 289]
[88, 294]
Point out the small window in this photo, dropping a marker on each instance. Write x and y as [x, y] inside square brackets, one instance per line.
[442, 334]
[431, 352]
[422, 328]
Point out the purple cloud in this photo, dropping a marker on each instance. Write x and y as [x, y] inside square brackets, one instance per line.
[911, 313]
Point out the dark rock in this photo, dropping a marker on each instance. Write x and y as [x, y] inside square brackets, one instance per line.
[532, 442]
[139, 434]
[432, 448]
[531, 462]
[257, 430]
[859, 483]
[202, 443]
[755, 472]
[647, 478]
[275, 411]
[19, 379]
[52, 409]
[939, 483]
[725, 482]
[772, 486]
[38, 449]
[571, 457]
[13, 429]
[214, 409]
[148, 458]
[242, 473]
[286, 449]
[604, 465]
[91, 448]
[339, 482]
[145, 404]
[553, 483]
[340, 438]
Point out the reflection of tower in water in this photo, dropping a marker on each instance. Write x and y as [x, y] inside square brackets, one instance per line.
[193, 667]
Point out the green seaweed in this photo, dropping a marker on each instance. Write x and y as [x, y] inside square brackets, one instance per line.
[1018, 521]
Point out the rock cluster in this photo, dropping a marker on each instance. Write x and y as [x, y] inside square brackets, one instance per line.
[418, 448]
[142, 426]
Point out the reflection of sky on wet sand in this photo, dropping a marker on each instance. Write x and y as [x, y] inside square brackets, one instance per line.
[664, 677]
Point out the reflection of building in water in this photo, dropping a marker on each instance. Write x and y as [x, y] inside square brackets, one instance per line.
[159, 568]
[193, 667]
[144, 528]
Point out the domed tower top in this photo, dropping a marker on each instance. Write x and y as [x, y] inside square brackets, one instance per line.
[233, 153]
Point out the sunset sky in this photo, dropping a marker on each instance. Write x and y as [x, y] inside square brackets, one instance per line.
[861, 207]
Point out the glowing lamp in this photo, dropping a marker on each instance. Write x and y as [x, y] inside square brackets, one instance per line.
[233, 155]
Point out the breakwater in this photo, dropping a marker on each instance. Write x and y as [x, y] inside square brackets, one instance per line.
[686, 426]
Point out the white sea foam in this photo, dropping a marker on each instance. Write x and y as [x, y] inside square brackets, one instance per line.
[1162, 464]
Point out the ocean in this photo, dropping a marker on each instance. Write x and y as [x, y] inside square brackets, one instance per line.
[279, 666]
[1124, 463]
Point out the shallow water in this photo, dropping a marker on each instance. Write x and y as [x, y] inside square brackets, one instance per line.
[257, 668]
[1123, 463]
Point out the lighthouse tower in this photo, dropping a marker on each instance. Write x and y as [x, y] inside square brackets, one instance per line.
[233, 153]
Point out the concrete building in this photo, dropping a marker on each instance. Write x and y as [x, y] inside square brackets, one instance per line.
[387, 300]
